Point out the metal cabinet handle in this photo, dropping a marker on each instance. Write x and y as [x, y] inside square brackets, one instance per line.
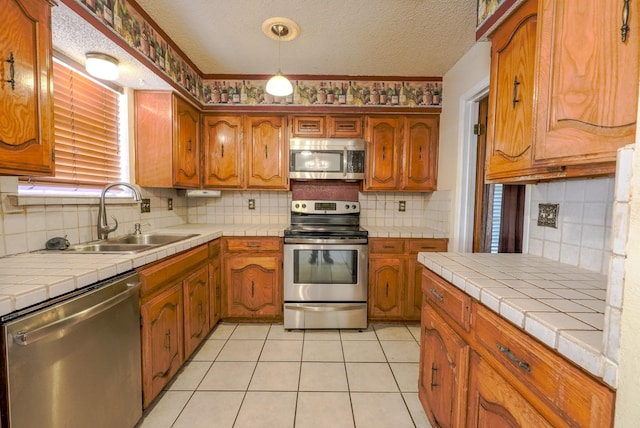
[266, 152]
[12, 71]
[167, 340]
[436, 294]
[222, 151]
[189, 146]
[253, 245]
[625, 21]
[433, 375]
[387, 292]
[252, 288]
[383, 153]
[522, 364]
[515, 91]
[420, 152]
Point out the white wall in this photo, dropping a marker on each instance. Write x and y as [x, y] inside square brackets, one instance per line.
[463, 84]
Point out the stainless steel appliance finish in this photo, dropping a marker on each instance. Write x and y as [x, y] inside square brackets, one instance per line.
[326, 158]
[325, 266]
[75, 361]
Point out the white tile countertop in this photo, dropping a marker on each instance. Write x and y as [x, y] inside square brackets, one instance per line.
[560, 305]
[403, 232]
[30, 278]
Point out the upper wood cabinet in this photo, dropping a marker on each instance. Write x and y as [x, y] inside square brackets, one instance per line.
[26, 101]
[510, 122]
[245, 152]
[402, 153]
[587, 82]
[167, 130]
[326, 126]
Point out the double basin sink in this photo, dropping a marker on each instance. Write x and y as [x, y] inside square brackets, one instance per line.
[129, 244]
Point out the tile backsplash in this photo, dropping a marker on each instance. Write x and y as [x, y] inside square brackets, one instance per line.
[583, 235]
[430, 210]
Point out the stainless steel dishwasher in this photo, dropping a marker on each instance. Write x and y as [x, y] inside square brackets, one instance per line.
[74, 361]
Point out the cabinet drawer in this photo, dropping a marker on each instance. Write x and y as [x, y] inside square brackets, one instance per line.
[425, 245]
[308, 126]
[574, 395]
[386, 245]
[450, 301]
[252, 244]
[158, 275]
[344, 126]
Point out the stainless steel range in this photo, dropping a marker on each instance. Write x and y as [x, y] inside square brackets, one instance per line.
[325, 266]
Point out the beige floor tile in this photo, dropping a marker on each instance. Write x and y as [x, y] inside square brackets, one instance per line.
[275, 376]
[323, 410]
[190, 376]
[322, 335]
[228, 376]
[209, 350]
[363, 351]
[166, 410]
[323, 377]
[368, 334]
[210, 409]
[250, 332]
[406, 375]
[267, 410]
[277, 332]
[415, 331]
[282, 350]
[380, 410]
[370, 377]
[393, 332]
[241, 350]
[222, 331]
[322, 351]
[416, 410]
[399, 351]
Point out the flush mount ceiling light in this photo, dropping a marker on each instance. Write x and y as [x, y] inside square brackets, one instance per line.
[101, 66]
[281, 29]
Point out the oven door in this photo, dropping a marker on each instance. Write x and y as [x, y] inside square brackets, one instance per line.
[325, 272]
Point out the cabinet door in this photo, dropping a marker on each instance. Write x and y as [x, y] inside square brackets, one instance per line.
[510, 126]
[308, 126]
[384, 139]
[494, 403]
[386, 279]
[344, 126]
[267, 156]
[587, 81]
[253, 285]
[196, 309]
[413, 305]
[26, 104]
[162, 341]
[223, 152]
[420, 154]
[186, 156]
[444, 367]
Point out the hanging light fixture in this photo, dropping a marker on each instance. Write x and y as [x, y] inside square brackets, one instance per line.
[282, 29]
[101, 66]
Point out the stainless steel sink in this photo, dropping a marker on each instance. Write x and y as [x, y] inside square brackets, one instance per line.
[128, 244]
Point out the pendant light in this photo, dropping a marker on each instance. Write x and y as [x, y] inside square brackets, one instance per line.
[284, 30]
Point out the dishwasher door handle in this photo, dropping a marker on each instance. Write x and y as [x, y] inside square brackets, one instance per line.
[64, 326]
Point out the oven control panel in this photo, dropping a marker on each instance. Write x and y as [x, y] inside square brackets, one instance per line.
[325, 207]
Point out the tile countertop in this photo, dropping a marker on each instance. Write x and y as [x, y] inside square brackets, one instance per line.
[30, 278]
[560, 305]
[403, 232]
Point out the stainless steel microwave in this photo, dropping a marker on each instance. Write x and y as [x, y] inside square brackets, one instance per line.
[326, 158]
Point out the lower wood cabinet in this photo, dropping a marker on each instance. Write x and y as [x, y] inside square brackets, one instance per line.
[479, 370]
[395, 276]
[174, 307]
[215, 283]
[252, 278]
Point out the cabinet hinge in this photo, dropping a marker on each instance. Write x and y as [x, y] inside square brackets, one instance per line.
[479, 129]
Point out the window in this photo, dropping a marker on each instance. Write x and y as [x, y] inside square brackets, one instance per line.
[89, 134]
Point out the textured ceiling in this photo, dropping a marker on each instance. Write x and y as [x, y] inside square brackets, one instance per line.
[337, 37]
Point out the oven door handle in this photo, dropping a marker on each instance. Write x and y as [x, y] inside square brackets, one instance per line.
[325, 241]
[324, 307]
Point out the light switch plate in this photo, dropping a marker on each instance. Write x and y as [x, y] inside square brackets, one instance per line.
[548, 215]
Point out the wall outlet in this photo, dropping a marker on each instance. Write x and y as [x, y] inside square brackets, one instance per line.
[402, 206]
[145, 206]
[548, 215]
[170, 204]
[252, 204]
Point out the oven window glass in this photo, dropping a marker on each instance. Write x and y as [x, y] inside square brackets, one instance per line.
[310, 161]
[325, 266]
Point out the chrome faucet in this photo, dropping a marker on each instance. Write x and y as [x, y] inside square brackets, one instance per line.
[103, 227]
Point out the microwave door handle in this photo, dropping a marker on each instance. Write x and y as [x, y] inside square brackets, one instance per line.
[344, 163]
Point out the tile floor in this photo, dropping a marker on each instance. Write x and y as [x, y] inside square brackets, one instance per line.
[259, 375]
